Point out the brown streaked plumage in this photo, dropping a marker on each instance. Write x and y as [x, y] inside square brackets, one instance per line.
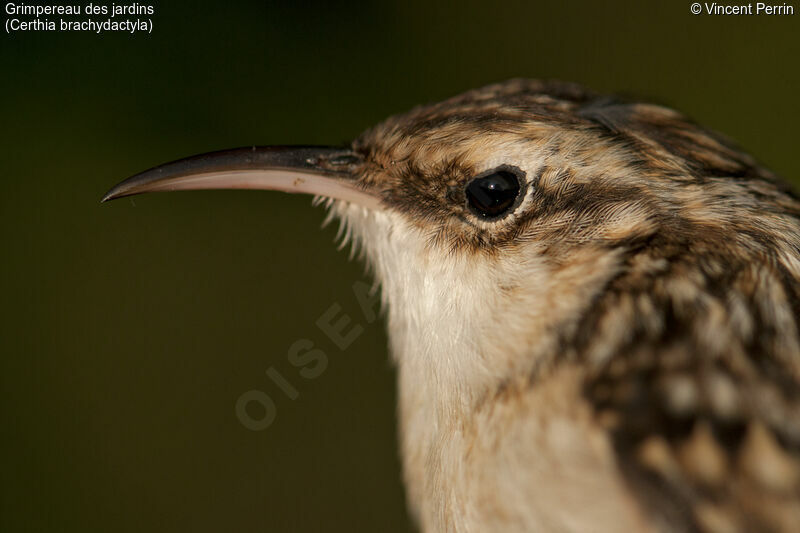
[618, 350]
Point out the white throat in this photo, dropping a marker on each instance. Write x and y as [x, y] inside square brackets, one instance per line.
[460, 325]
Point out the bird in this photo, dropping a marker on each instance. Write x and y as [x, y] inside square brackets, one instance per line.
[592, 303]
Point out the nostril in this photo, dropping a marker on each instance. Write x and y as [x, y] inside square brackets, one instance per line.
[344, 160]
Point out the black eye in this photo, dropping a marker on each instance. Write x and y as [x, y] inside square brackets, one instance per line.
[494, 194]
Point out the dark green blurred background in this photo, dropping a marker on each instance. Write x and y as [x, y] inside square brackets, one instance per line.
[130, 329]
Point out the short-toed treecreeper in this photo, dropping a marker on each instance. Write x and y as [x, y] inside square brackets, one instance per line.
[592, 304]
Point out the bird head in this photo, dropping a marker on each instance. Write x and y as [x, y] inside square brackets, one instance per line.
[493, 219]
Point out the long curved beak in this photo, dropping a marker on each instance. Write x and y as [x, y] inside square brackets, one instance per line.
[318, 170]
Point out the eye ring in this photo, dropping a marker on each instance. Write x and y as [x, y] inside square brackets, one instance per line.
[494, 194]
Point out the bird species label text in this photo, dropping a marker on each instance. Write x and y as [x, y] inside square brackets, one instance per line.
[95, 18]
